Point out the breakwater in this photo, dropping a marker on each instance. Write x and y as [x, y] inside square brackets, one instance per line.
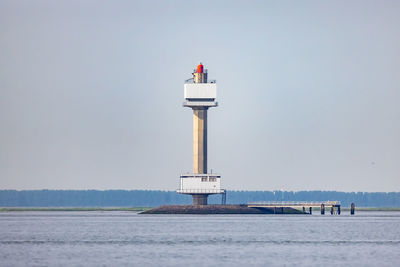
[218, 209]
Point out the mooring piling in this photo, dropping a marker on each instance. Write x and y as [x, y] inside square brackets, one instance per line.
[352, 208]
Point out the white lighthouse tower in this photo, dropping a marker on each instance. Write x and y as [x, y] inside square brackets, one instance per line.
[200, 95]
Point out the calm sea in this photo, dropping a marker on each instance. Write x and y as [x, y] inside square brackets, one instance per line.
[128, 239]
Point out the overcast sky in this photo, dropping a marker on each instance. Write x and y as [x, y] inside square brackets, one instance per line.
[91, 93]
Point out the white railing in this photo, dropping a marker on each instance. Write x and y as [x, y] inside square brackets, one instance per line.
[191, 80]
[272, 203]
[200, 175]
[200, 191]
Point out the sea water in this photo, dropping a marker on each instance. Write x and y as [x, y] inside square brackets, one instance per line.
[117, 238]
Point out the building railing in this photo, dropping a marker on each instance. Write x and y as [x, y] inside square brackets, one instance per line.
[204, 70]
[200, 191]
[192, 81]
[200, 175]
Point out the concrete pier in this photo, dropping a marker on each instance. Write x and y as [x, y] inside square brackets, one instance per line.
[303, 205]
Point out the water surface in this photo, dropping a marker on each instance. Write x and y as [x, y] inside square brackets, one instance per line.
[126, 238]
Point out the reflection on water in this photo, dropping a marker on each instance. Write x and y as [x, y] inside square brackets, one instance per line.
[126, 238]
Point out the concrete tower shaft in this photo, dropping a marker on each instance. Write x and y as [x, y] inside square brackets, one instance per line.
[200, 199]
[200, 140]
[199, 128]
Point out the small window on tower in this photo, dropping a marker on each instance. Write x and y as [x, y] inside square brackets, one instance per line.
[213, 179]
[204, 179]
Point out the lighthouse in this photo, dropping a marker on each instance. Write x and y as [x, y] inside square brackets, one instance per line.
[200, 94]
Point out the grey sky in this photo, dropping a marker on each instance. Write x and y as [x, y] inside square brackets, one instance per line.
[91, 93]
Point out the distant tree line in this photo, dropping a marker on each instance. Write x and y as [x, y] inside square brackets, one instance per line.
[151, 198]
